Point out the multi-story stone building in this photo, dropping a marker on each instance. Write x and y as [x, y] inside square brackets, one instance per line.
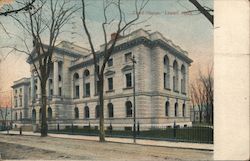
[161, 84]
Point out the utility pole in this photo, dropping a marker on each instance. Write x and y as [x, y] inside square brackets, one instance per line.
[134, 132]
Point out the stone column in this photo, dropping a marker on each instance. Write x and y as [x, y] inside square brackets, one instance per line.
[38, 88]
[55, 78]
[32, 86]
[48, 87]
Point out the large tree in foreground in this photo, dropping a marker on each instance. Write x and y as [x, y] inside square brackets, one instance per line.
[43, 25]
[120, 24]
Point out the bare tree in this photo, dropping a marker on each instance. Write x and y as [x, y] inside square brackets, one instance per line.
[4, 114]
[122, 24]
[207, 81]
[46, 19]
[24, 7]
[197, 97]
[202, 93]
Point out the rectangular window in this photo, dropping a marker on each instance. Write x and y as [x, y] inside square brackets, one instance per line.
[21, 102]
[60, 91]
[87, 89]
[110, 62]
[110, 83]
[51, 92]
[15, 102]
[128, 80]
[77, 92]
[128, 57]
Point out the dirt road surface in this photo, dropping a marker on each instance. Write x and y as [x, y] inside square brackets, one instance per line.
[49, 148]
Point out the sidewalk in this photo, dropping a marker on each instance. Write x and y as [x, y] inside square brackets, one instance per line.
[196, 146]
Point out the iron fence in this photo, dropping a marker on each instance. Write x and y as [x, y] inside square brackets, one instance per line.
[146, 128]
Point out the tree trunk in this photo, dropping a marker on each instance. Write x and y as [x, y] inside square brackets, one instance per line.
[212, 113]
[44, 126]
[200, 117]
[194, 114]
[100, 86]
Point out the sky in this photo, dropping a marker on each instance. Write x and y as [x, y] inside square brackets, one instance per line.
[192, 32]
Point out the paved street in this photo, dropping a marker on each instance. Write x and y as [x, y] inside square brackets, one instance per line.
[35, 147]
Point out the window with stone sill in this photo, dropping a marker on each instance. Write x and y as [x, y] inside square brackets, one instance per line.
[167, 108]
[110, 110]
[20, 101]
[183, 110]
[110, 84]
[51, 92]
[86, 112]
[76, 110]
[87, 90]
[176, 109]
[128, 80]
[60, 91]
[128, 109]
[77, 92]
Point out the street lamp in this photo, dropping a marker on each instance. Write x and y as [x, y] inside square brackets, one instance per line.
[134, 132]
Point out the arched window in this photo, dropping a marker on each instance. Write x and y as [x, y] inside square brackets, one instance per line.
[16, 116]
[49, 113]
[76, 76]
[110, 110]
[76, 113]
[183, 110]
[86, 73]
[76, 85]
[176, 109]
[21, 116]
[86, 112]
[166, 73]
[97, 111]
[175, 76]
[167, 108]
[40, 114]
[34, 114]
[129, 109]
[59, 78]
[183, 79]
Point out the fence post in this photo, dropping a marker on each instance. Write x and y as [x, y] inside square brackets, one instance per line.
[58, 127]
[89, 129]
[138, 128]
[20, 131]
[110, 129]
[174, 129]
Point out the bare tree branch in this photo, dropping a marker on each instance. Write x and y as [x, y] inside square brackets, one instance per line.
[203, 11]
[24, 8]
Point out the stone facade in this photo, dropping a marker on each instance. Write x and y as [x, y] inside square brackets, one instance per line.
[72, 85]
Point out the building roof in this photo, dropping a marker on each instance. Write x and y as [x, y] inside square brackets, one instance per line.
[139, 37]
[20, 82]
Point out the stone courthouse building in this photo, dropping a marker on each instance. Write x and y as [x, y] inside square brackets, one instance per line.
[161, 85]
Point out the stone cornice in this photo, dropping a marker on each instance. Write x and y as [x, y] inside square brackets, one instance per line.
[57, 50]
[139, 41]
